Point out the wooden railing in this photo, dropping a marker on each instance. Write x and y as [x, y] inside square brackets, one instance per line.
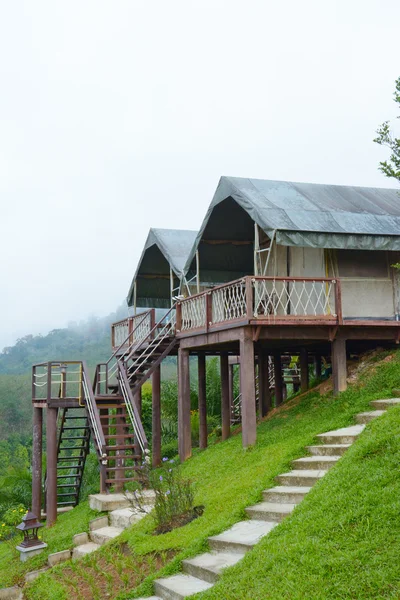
[273, 299]
[129, 330]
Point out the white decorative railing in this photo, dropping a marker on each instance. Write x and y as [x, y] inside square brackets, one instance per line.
[193, 312]
[282, 297]
[250, 298]
[229, 302]
[129, 330]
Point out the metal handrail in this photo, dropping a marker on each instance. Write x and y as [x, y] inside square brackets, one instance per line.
[93, 413]
[164, 332]
[132, 408]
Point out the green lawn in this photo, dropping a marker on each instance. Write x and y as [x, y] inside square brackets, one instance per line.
[58, 538]
[330, 548]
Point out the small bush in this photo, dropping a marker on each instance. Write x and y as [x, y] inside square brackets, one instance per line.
[170, 450]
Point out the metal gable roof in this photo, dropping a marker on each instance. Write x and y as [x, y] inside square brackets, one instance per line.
[355, 217]
[175, 246]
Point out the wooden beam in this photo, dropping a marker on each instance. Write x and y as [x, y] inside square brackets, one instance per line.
[37, 445]
[247, 388]
[51, 456]
[184, 426]
[304, 377]
[201, 366]
[278, 379]
[339, 365]
[317, 366]
[225, 404]
[263, 384]
[156, 416]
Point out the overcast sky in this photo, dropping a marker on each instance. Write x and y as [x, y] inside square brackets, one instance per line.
[116, 116]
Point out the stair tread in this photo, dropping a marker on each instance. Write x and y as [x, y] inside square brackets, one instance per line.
[353, 430]
[315, 473]
[371, 413]
[387, 401]
[289, 489]
[214, 561]
[182, 584]
[273, 507]
[316, 459]
[245, 533]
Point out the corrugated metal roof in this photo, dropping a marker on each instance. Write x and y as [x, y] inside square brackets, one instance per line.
[313, 208]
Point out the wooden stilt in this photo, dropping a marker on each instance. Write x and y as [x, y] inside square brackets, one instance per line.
[51, 455]
[119, 461]
[138, 400]
[263, 384]
[247, 388]
[37, 444]
[304, 376]
[156, 416]
[225, 405]
[201, 366]
[317, 366]
[339, 365]
[184, 428]
[278, 379]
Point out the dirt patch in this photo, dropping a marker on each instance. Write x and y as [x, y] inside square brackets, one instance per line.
[104, 578]
[181, 520]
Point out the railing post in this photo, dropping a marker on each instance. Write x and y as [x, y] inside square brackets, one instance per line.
[130, 330]
[153, 321]
[209, 316]
[178, 317]
[249, 297]
[338, 301]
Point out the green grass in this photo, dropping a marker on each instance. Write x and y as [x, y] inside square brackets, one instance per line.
[228, 478]
[59, 537]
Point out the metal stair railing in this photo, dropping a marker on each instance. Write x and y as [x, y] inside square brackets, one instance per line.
[132, 408]
[106, 371]
[162, 331]
[94, 417]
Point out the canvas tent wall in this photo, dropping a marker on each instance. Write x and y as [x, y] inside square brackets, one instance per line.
[314, 230]
[159, 271]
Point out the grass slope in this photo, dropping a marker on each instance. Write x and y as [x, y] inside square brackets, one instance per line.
[228, 478]
[57, 538]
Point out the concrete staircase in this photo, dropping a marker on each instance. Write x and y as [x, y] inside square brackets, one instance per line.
[104, 529]
[228, 548]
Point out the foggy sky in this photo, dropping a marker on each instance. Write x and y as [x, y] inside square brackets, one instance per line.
[117, 116]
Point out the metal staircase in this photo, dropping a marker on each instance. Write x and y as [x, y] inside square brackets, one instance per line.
[72, 450]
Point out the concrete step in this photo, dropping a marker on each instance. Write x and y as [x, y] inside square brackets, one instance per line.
[386, 403]
[345, 435]
[109, 502]
[300, 477]
[315, 462]
[242, 536]
[125, 517]
[105, 534]
[210, 565]
[179, 586]
[84, 549]
[286, 494]
[366, 417]
[149, 598]
[328, 449]
[269, 511]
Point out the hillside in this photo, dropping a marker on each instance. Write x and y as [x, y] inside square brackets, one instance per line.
[342, 542]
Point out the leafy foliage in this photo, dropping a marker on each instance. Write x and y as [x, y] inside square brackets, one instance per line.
[385, 137]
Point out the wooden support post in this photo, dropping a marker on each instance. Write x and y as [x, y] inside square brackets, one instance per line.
[263, 384]
[248, 388]
[184, 426]
[37, 444]
[51, 479]
[225, 404]
[201, 366]
[156, 416]
[339, 365]
[106, 430]
[304, 377]
[278, 379]
[317, 366]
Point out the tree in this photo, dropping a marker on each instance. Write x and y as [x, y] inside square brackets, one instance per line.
[391, 167]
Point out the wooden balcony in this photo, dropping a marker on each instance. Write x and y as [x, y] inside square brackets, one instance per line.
[261, 301]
